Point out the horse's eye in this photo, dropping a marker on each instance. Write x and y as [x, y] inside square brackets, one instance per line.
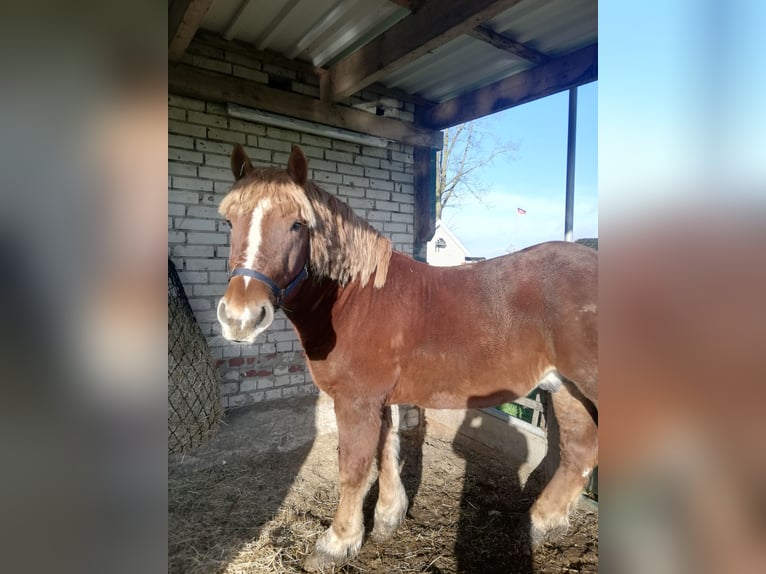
[296, 226]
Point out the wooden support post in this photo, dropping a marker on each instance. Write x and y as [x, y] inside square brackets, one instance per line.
[425, 198]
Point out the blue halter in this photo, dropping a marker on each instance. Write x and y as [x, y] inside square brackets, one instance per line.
[278, 292]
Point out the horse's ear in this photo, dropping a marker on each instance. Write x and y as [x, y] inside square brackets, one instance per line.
[298, 166]
[240, 163]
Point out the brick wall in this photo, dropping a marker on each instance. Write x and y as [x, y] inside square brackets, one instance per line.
[376, 182]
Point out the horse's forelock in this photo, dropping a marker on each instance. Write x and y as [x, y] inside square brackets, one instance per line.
[274, 185]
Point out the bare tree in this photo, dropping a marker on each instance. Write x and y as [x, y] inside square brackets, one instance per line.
[466, 150]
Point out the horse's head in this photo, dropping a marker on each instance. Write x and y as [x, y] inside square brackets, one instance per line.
[270, 217]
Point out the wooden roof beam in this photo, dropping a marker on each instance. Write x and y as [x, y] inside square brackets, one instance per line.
[559, 74]
[184, 19]
[502, 42]
[433, 25]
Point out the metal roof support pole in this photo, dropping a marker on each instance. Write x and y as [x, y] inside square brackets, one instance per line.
[571, 148]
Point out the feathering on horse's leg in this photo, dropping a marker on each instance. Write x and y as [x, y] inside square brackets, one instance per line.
[578, 440]
[359, 423]
[392, 499]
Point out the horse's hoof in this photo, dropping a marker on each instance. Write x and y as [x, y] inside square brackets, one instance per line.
[331, 552]
[385, 529]
[382, 532]
[537, 537]
[319, 562]
[540, 534]
[387, 520]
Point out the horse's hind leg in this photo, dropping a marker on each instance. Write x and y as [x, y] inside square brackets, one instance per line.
[578, 440]
[359, 423]
[392, 499]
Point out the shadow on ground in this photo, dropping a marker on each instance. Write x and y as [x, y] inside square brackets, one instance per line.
[221, 495]
[493, 529]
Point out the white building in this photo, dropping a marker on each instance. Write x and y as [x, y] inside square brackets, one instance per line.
[445, 250]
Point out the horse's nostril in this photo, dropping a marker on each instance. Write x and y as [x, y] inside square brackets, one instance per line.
[261, 316]
[226, 315]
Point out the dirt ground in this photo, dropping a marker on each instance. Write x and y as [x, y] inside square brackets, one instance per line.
[262, 511]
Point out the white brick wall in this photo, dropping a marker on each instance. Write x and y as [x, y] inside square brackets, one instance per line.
[376, 182]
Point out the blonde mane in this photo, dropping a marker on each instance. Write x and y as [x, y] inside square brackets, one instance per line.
[344, 247]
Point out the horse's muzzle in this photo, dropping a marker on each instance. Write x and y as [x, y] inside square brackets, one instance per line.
[245, 325]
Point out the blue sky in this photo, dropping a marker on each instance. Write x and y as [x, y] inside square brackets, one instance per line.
[682, 115]
[681, 118]
[533, 178]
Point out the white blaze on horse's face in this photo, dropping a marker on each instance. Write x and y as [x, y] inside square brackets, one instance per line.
[245, 311]
[254, 235]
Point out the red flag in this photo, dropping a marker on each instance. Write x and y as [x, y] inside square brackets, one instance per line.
[521, 211]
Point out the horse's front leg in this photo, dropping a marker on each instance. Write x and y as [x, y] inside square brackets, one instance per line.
[359, 423]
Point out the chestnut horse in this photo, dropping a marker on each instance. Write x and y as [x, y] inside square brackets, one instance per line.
[380, 329]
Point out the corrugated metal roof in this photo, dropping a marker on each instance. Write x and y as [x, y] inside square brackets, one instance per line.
[324, 31]
[316, 31]
[553, 27]
[456, 67]
[550, 26]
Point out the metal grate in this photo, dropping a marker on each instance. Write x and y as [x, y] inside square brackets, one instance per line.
[194, 403]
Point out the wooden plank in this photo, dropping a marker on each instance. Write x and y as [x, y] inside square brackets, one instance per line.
[535, 418]
[529, 403]
[488, 35]
[185, 80]
[545, 401]
[434, 24]
[184, 19]
[574, 69]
